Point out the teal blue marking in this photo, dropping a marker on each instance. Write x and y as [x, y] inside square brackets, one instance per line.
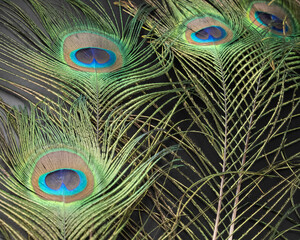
[63, 189]
[210, 38]
[94, 63]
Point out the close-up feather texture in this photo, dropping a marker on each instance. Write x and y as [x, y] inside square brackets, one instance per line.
[149, 119]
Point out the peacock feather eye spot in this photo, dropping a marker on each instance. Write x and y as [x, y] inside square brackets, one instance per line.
[271, 20]
[88, 55]
[209, 34]
[207, 31]
[61, 182]
[93, 57]
[62, 175]
[69, 178]
[272, 17]
[90, 52]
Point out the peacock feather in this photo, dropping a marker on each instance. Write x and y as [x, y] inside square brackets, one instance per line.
[57, 182]
[120, 87]
[72, 49]
[237, 63]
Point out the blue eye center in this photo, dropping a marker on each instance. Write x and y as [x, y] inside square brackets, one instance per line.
[88, 55]
[69, 178]
[93, 57]
[271, 20]
[63, 182]
[209, 34]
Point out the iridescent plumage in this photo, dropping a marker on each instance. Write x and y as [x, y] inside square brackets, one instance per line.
[94, 159]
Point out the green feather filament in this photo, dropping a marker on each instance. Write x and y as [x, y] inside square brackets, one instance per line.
[117, 177]
[47, 55]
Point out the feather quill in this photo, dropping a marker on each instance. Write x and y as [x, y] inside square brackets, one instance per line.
[242, 96]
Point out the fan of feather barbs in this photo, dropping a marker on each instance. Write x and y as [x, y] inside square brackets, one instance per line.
[171, 119]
